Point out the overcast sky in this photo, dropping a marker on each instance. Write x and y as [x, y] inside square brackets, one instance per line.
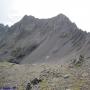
[78, 11]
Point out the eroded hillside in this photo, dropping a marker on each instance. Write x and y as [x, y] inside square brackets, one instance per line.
[33, 40]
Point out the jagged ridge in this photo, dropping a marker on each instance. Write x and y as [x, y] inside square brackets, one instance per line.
[34, 40]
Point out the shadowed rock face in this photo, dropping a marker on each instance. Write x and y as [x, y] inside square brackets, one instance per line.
[34, 40]
[3, 30]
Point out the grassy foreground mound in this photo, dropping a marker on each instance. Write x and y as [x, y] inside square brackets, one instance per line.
[52, 76]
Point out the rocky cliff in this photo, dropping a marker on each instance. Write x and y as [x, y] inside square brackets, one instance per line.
[33, 40]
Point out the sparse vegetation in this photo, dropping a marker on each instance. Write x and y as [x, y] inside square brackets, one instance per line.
[49, 77]
[78, 61]
[18, 52]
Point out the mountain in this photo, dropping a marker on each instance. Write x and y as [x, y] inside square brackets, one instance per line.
[33, 40]
[3, 30]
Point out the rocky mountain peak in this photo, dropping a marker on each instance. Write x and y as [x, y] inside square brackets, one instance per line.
[34, 40]
[28, 18]
[61, 18]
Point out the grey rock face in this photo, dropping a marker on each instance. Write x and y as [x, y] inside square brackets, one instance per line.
[3, 30]
[32, 40]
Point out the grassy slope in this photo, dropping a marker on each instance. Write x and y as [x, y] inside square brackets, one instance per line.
[54, 77]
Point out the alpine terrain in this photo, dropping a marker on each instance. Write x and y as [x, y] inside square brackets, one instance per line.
[44, 54]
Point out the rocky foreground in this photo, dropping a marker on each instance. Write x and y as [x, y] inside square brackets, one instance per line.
[45, 76]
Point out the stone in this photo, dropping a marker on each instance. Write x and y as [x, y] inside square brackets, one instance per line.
[84, 74]
[66, 76]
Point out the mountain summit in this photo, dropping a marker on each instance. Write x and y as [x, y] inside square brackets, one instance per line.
[33, 40]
